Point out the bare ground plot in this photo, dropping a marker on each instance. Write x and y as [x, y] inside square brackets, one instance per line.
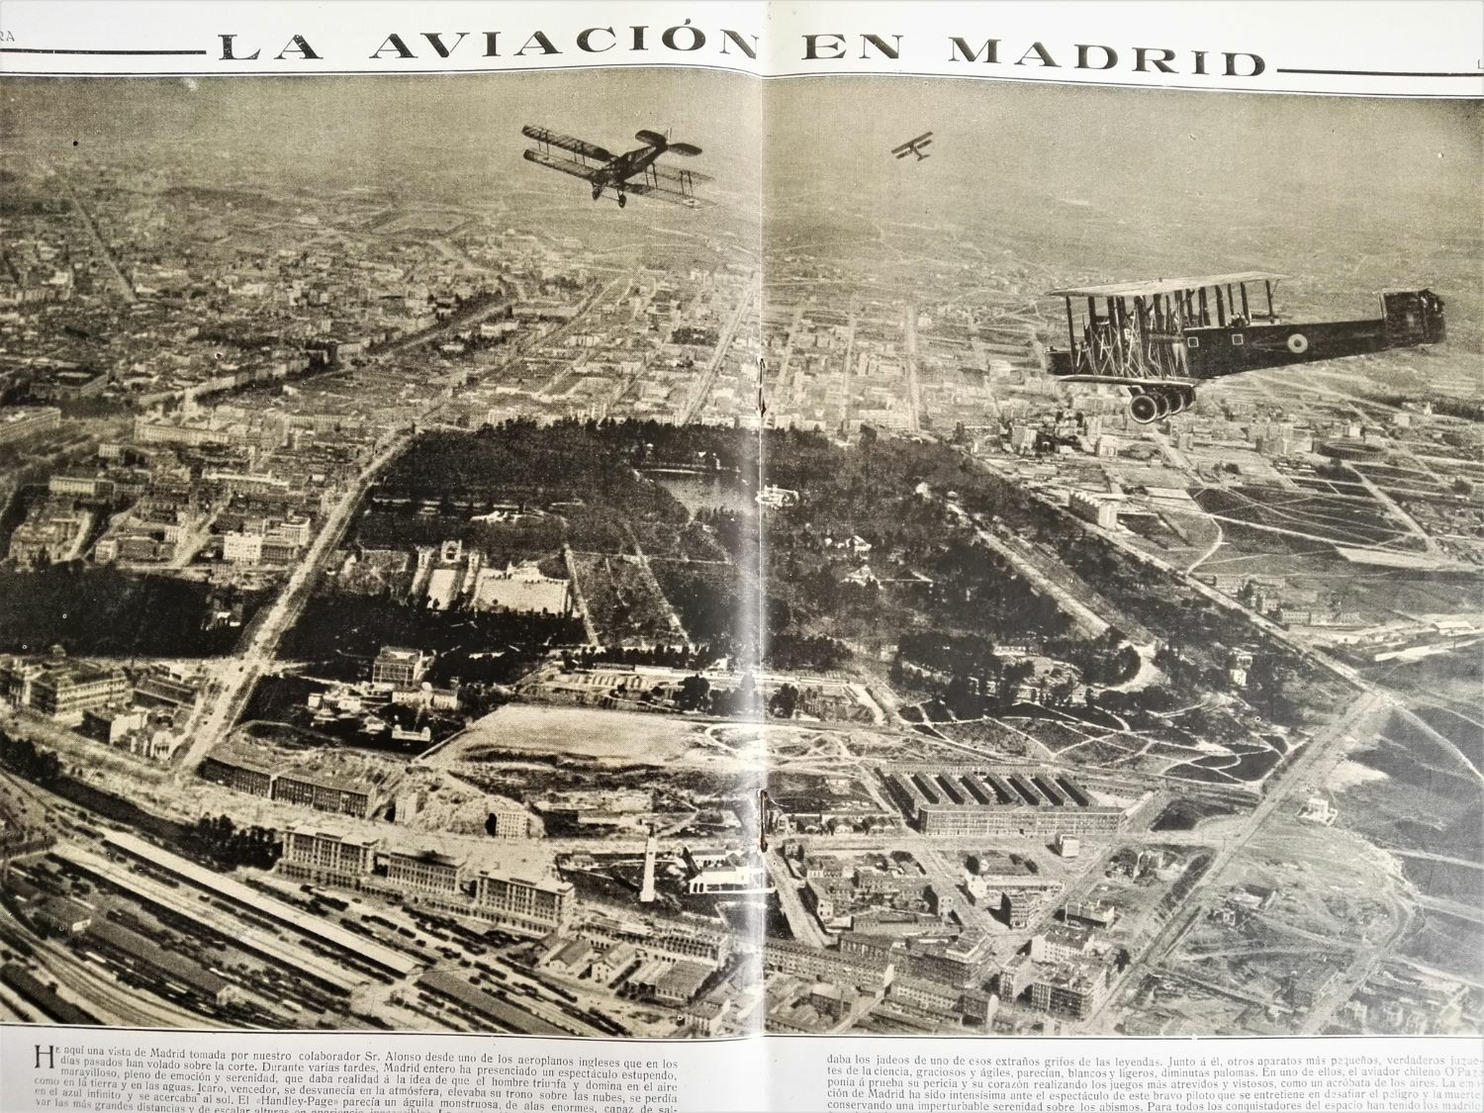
[1193, 533]
[1329, 486]
[1449, 679]
[1186, 813]
[1296, 902]
[1250, 552]
[618, 736]
[1166, 1006]
[988, 736]
[1459, 882]
[1448, 943]
[1464, 732]
[1163, 535]
[1206, 745]
[1419, 795]
[1145, 885]
[1320, 887]
[1325, 518]
[1397, 475]
[913, 748]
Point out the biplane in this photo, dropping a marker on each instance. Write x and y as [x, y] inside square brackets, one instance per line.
[1161, 339]
[633, 172]
[914, 146]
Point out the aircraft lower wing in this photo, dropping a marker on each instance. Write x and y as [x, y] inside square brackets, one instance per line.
[677, 176]
[661, 192]
[565, 165]
[1127, 380]
[672, 184]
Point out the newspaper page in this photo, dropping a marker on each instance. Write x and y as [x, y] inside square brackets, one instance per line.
[798, 556]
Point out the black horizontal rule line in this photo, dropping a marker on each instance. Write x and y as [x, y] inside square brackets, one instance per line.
[66, 50]
[1382, 73]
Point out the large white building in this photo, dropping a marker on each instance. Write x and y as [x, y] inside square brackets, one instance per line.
[727, 872]
[19, 422]
[529, 905]
[242, 548]
[315, 854]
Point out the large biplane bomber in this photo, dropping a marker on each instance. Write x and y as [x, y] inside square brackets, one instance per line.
[636, 171]
[1161, 339]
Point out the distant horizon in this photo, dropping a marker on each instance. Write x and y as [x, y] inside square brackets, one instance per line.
[1101, 183]
[814, 128]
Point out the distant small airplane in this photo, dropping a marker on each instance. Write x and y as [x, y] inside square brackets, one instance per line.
[914, 146]
[633, 172]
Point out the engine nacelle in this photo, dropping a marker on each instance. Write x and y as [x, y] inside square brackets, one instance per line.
[1143, 408]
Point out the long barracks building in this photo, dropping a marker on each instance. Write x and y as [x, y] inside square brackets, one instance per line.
[531, 905]
[1011, 802]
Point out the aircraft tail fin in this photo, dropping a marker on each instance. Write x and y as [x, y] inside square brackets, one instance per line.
[684, 149]
[653, 138]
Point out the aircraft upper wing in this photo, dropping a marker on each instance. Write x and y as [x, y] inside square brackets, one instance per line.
[565, 165]
[1163, 285]
[921, 141]
[567, 143]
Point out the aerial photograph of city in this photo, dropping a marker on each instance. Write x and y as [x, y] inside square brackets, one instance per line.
[655, 553]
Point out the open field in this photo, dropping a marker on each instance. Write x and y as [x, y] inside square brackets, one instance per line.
[616, 736]
[1415, 795]
[1449, 943]
[1339, 519]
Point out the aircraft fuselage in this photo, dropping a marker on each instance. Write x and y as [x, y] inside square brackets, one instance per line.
[625, 166]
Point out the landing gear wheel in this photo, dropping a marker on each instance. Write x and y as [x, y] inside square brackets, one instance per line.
[1162, 402]
[623, 199]
[1143, 408]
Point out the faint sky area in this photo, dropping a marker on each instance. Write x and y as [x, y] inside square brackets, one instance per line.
[374, 130]
[827, 131]
[1147, 155]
